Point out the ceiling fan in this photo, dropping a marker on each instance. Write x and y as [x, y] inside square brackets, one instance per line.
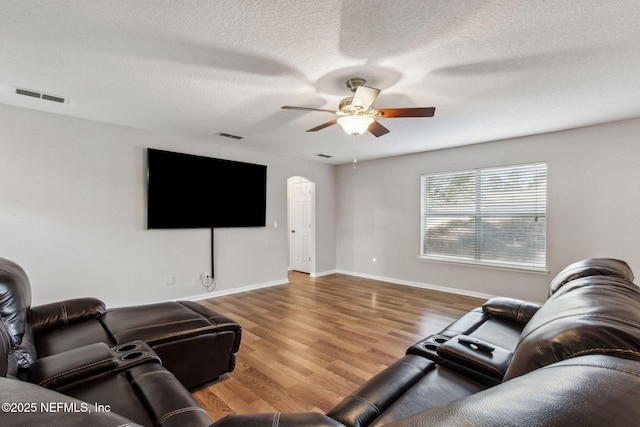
[356, 113]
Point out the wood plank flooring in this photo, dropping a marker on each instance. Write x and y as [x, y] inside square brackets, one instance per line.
[308, 344]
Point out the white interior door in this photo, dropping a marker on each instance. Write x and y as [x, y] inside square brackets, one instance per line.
[301, 224]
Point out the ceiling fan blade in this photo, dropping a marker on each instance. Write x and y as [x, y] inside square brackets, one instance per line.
[390, 113]
[324, 125]
[377, 129]
[288, 107]
[364, 97]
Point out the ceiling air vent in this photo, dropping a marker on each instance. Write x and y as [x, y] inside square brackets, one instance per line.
[46, 97]
[26, 92]
[229, 135]
[326, 156]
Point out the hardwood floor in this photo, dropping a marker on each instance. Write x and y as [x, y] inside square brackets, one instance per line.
[308, 344]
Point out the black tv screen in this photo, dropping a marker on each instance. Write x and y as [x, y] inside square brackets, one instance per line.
[187, 191]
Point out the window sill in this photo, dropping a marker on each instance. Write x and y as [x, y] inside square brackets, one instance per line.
[485, 264]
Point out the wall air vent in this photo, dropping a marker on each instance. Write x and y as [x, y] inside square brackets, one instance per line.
[326, 156]
[229, 135]
[45, 96]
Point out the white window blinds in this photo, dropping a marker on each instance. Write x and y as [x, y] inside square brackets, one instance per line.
[494, 216]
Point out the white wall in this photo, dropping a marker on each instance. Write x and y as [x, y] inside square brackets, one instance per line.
[593, 201]
[73, 214]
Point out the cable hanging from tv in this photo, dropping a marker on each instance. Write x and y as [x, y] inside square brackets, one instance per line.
[210, 282]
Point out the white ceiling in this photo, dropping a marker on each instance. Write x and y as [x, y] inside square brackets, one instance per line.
[193, 68]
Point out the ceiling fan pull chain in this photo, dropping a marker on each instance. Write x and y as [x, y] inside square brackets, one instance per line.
[355, 159]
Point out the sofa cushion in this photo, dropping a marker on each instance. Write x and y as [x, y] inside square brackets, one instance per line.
[73, 336]
[597, 314]
[154, 323]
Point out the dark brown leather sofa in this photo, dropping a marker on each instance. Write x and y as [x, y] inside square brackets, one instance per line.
[76, 363]
[573, 361]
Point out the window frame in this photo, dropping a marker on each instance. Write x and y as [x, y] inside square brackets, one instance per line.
[478, 215]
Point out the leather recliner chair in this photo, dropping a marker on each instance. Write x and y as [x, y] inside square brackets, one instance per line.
[92, 385]
[195, 343]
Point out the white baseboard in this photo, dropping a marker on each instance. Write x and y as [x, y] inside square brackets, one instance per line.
[223, 292]
[391, 280]
[418, 284]
[323, 273]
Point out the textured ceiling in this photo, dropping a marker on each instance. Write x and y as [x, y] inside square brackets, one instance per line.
[493, 69]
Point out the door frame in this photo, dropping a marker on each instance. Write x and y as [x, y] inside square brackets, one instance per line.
[312, 237]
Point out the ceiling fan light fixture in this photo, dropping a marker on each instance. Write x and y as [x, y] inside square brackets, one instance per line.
[355, 125]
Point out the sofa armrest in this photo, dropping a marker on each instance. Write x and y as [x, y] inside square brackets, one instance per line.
[514, 310]
[375, 396]
[308, 419]
[165, 398]
[71, 366]
[47, 317]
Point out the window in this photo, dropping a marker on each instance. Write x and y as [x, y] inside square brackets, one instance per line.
[491, 216]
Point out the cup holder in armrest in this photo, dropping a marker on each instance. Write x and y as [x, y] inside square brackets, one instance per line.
[434, 341]
[127, 347]
[134, 353]
[428, 347]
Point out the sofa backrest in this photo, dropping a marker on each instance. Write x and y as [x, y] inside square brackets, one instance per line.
[5, 350]
[591, 267]
[15, 298]
[8, 363]
[15, 303]
[590, 315]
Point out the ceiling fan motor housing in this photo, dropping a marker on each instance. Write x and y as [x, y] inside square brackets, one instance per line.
[353, 84]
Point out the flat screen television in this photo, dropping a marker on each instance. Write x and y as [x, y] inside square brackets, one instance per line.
[188, 191]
